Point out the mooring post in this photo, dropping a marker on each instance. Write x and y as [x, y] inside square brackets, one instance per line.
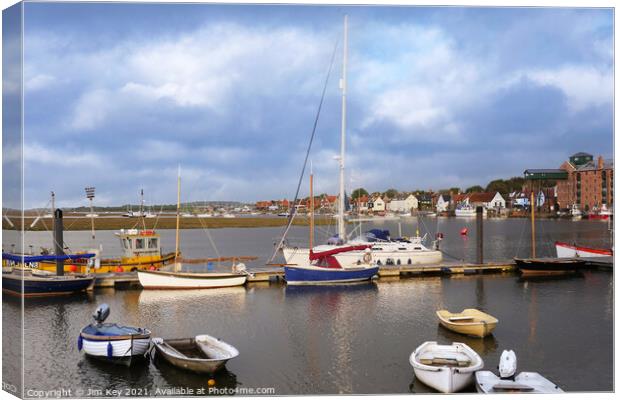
[58, 242]
[479, 239]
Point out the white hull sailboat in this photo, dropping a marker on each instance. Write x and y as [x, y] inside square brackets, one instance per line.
[178, 279]
[385, 252]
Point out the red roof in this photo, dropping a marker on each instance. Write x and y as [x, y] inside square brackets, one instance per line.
[460, 197]
[481, 197]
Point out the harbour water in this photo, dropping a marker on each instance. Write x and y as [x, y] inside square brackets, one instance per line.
[333, 339]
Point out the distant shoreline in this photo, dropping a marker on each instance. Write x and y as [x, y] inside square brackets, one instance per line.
[72, 223]
[103, 224]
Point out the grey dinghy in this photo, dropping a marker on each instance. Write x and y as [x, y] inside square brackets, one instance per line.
[202, 354]
[507, 382]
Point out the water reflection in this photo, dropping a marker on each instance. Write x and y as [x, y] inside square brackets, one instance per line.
[482, 346]
[550, 278]
[110, 375]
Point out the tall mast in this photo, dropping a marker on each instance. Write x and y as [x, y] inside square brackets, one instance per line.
[532, 206]
[176, 247]
[311, 213]
[343, 87]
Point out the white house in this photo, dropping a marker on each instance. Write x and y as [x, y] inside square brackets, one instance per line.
[378, 204]
[403, 203]
[487, 200]
[443, 203]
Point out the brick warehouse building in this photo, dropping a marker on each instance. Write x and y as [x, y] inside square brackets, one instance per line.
[590, 183]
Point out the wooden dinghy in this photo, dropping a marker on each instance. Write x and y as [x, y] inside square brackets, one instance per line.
[470, 322]
[202, 354]
[446, 368]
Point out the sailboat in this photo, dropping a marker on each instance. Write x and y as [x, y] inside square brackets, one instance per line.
[177, 279]
[545, 266]
[386, 252]
[323, 267]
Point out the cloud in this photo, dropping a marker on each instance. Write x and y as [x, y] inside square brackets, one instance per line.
[91, 109]
[584, 86]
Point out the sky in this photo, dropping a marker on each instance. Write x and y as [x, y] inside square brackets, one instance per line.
[117, 96]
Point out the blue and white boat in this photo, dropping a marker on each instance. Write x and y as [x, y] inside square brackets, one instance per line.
[19, 278]
[324, 268]
[112, 342]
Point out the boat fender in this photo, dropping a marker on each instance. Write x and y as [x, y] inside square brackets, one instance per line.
[464, 231]
[80, 344]
[110, 350]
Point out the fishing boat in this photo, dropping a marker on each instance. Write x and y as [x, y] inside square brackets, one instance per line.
[544, 266]
[470, 322]
[565, 250]
[445, 368]
[30, 282]
[141, 250]
[408, 253]
[177, 279]
[201, 354]
[507, 382]
[602, 215]
[112, 342]
[19, 277]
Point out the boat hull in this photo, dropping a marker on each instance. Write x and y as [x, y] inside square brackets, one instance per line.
[535, 267]
[524, 382]
[213, 357]
[565, 250]
[171, 280]
[445, 379]
[312, 275]
[480, 325]
[125, 349]
[353, 259]
[112, 265]
[39, 286]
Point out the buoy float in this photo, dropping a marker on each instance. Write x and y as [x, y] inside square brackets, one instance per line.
[211, 382]
[119, 269]
[464, 231]
[73, 268]
[152, 268]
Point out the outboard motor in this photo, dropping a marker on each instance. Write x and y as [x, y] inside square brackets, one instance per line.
[101, 313]
[507, 364]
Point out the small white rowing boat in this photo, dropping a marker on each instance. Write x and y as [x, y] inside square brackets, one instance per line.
[202, 354]
[507, 382]
[446, 368]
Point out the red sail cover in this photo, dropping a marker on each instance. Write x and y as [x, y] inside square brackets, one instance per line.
[323, 254]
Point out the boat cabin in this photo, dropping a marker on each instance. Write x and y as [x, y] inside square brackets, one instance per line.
[140, 245]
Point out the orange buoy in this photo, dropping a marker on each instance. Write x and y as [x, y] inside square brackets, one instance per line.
[211, 382]
[152, 268]
[73, 268]
[464, 231]
[119, 269]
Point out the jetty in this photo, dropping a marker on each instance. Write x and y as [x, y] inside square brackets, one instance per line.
[275, 272]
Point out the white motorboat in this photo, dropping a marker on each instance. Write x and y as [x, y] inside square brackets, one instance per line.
[111, 342]
[468, 211]
[507, 382]
[202, 354]
[445, 368]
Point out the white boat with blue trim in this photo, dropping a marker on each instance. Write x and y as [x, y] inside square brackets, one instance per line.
[112, 342]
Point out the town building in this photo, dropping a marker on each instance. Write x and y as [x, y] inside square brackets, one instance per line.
[443, 203]
[589, 185]
[403, 203]
[488, 200]
[377, 204]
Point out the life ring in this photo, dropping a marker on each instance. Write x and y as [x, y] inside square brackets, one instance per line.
[367, 258]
